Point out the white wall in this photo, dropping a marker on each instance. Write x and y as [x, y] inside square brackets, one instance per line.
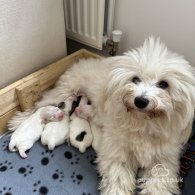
[172, 20]
[32, 35]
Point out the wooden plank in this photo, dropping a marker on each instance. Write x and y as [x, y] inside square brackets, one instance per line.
[47, 77]
[28, 93]
[88, 54]
[5, 118]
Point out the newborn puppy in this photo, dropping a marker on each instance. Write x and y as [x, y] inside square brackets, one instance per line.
[85, 109]
[80, 132]
[30, 130]
[56, 133]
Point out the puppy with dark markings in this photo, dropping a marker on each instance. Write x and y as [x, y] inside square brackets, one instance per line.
[80, 132]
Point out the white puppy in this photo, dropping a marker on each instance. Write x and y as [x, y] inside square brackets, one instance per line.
[30, 130]
[144, 102]
[56, 133]
[80, 131]
[86, 112]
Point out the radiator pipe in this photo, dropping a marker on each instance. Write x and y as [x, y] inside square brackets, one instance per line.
[114, 42]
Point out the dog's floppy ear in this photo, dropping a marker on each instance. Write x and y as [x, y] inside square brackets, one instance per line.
[189, 81]
[186, 133]
[188, 77]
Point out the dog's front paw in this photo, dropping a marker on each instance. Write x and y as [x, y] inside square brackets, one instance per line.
[117, 187]
[144, 192]
[158, 187]
[115, 191]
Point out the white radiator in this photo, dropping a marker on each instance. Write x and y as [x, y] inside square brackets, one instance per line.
[85, 21]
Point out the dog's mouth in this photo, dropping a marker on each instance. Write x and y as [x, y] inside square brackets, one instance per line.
[147, 113]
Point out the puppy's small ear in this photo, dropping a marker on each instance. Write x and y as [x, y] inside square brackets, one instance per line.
[61, 105]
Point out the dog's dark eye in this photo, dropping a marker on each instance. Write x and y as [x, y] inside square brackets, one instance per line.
[136, 80]
[162, 84]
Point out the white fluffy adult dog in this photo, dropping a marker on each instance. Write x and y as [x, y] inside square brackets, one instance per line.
[144, 102]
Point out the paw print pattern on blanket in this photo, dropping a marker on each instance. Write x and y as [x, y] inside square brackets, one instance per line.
[6, 165]
[5, 145]
[64, 171]
[76, 178]
[92, 159]
[40, 189]
[46, 157]
[25, 170]
[74, 159]
[58, 176]
[6, 191]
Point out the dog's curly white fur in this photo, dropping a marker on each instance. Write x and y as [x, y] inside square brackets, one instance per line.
[144, 102]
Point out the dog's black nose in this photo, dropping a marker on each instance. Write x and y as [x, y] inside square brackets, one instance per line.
[141, 102]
